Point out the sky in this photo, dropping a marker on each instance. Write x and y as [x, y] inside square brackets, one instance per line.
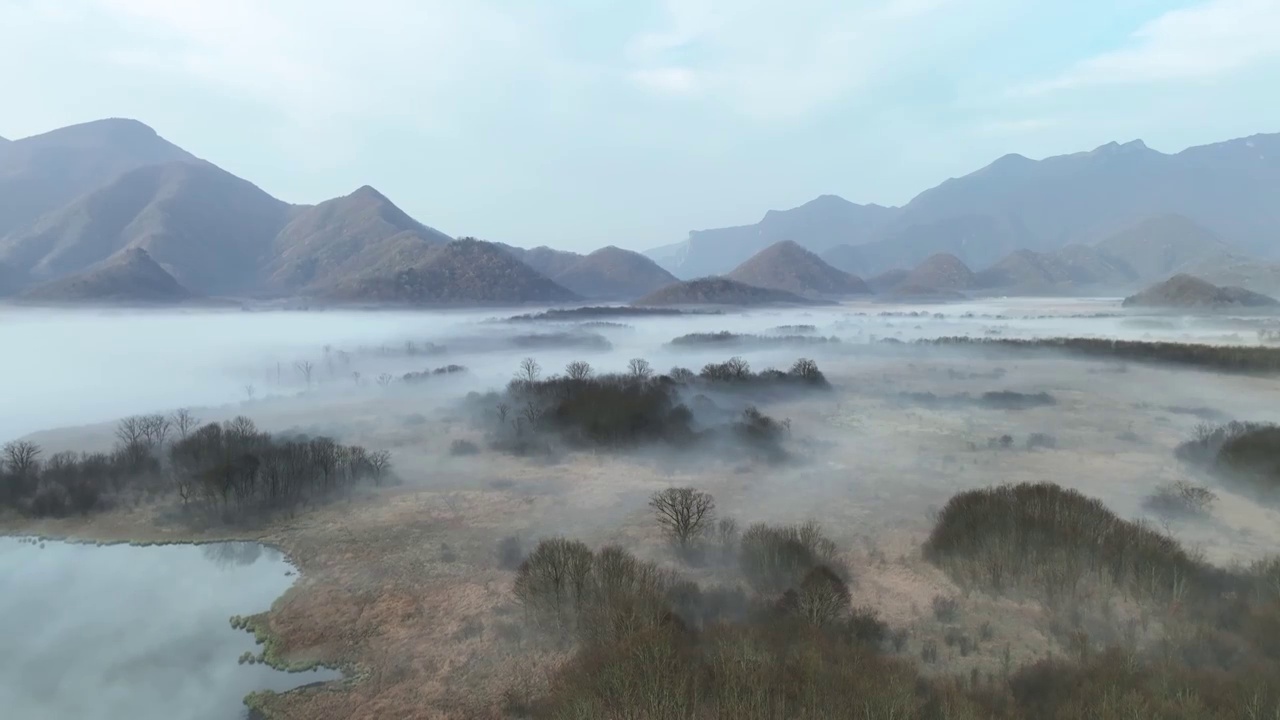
[583, 123]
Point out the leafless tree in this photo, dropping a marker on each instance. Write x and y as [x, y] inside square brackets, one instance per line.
[737, 368]
[355, 377]
[532, 414]
[22, 457]
[822, 597]
[578, 370]
[379, 462]
[184, 422]
[384, 379]
[131, 431]
[529, 371]
[249, 391]
[155, 429]
[305, 369]
[640, 369]
[805, 369]
[503, 410]
[684, 513]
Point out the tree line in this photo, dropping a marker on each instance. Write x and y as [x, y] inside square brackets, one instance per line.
[232, 470]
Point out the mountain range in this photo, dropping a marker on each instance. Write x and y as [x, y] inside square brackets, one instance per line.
[110, 210]
[1015, 203]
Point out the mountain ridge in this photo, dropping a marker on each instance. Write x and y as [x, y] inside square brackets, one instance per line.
[1040, 205]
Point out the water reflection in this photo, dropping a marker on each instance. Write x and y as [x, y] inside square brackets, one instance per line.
[134, 632]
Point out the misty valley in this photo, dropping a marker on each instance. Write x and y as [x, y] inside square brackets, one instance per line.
[1018, 507]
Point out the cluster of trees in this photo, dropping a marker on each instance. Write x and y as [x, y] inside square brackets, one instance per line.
[230, 468]
[636, 407]
[996, 399]
[415, 377]
[1245, 452]
[1224, 358]
[237, 470]
[784, 642]
[1220, 627]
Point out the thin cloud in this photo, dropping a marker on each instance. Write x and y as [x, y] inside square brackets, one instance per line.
[1204, 42]
[784, 61]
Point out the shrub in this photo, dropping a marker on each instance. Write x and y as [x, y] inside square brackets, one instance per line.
[1181, 499]
[460, 447]
[510, 553]
[1041, 440]
[946, 609]
[1048, 539]
[775, 559]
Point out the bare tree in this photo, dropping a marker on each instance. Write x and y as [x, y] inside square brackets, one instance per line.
[379, 462]
[640, 369]
[22, 457]
[503, 410]
[184, 422]
[737, 368]
[529, 371]
[131, 431]
[578, 370]
[355, 377]
[155, 429]
[384, 379]
[305, 369]
[685, 513]
[806, 369]
[250, 391]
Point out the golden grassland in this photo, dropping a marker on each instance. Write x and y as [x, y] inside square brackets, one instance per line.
[400, 586]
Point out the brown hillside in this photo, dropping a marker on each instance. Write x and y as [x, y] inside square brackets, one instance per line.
[131, 276]
[345, 237]
[614, 273]
[887, 280]
[42, 173]
[942, 272]
[463, 271]
[1186, 291]
[720, 291]
[211, 229]
[1160, 246]
[787, 266]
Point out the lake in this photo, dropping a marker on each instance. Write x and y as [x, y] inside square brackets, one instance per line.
[111, 632]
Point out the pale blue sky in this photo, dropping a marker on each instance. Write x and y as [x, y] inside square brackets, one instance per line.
[581, 123]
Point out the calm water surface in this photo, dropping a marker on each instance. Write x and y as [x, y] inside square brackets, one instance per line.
[139, 633]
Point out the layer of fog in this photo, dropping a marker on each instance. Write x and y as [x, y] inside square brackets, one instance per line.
[64, 368]
[134, 632]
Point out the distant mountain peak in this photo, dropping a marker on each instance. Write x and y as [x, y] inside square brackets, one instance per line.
[1115, 148]
[787, 265]
[368, 192]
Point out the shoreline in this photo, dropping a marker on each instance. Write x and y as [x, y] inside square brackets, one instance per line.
[257, 625]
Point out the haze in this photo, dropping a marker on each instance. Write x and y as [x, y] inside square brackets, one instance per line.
[581, 127]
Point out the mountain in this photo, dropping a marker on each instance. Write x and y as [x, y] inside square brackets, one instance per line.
[887, 280]
[1016, 202]
[613, 273]
[940, 273]
[720, 291]
[352, 235]
[130, 276]
[209, 229]
[1159, 246]
[1235, 271]
[818, 224]
[787, 266]
[42, 173]
[548, 261]
[460, 272]
[1188, 292]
